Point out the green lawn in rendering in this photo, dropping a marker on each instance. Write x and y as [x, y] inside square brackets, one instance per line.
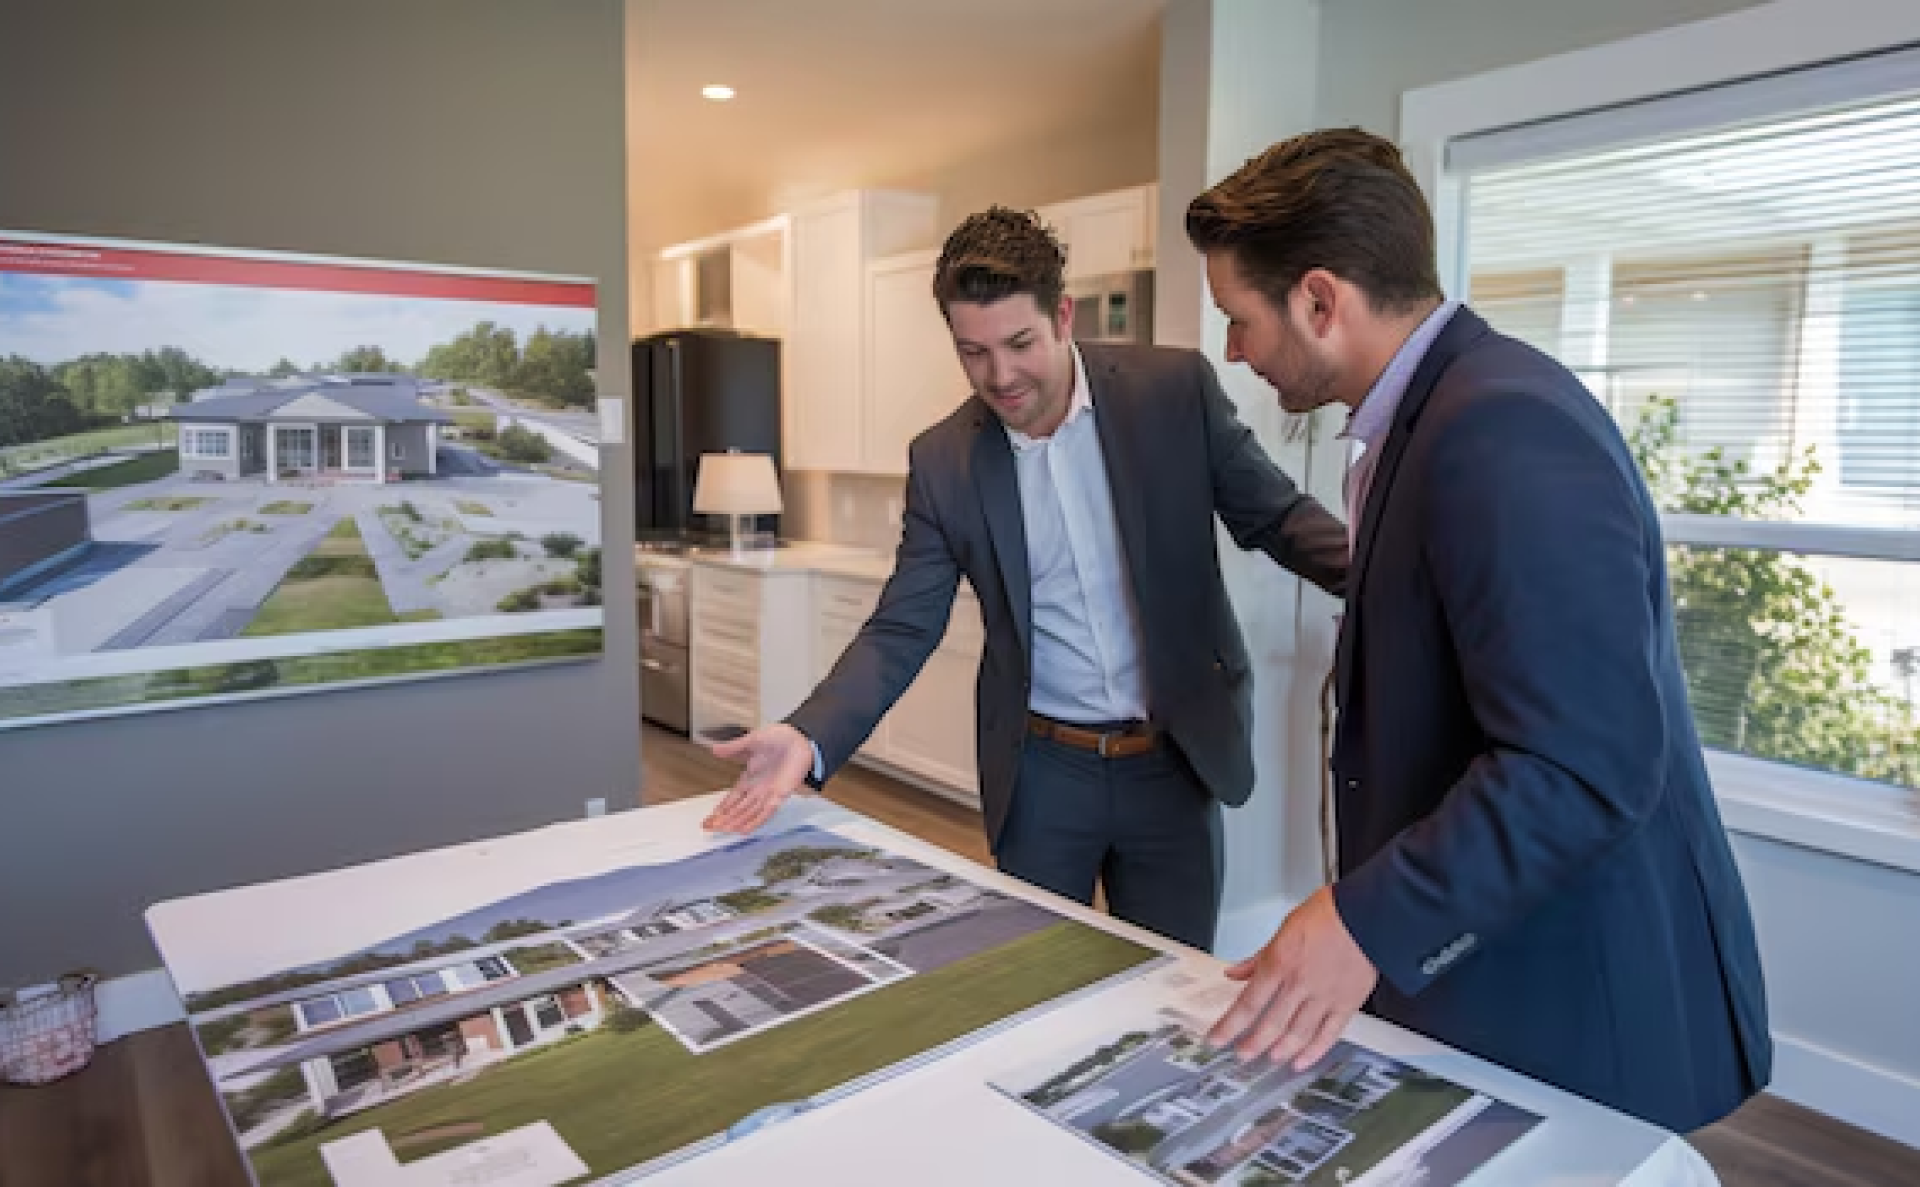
[333, 587]
[620, 1099]
[132, 472]
[1397, 1118]
[305, 671]
[470, 507]
[286, 507]
[167, 503]
[17, 459]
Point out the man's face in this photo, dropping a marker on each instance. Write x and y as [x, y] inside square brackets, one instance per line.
[1271, 340]
[1019, 361]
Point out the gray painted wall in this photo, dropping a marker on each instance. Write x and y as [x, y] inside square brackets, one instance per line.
[412, 440]
[495, 128]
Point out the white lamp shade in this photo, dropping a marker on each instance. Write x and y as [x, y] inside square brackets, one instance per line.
[736, 484]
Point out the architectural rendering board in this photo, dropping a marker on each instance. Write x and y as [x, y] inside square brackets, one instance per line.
[235, 474]
[617, 1021]
[1157, 1096]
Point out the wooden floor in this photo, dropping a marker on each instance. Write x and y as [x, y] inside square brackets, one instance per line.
[144, 1115]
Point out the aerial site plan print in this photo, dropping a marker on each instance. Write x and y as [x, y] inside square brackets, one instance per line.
[603, 1026]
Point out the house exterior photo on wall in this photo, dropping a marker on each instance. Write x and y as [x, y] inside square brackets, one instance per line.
[371, 428]
[642, 1014]
[188, 514]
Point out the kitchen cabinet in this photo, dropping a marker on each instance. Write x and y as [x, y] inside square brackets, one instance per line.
[1107, 233]
[748, 658]
[738, 279]
[914, 378]
[826, 384]
[927, 737]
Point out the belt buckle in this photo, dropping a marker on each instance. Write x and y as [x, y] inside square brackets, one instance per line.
[1105, 737]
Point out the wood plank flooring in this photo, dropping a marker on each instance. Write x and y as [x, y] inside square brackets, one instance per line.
[144, 1115]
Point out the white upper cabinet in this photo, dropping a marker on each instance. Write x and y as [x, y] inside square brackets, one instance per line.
[914, 378]
[827, 383]
[1107, 233]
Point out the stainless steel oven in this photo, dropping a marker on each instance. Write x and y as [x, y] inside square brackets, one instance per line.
[662, 580]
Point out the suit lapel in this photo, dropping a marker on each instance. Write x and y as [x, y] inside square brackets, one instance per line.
[999, 489]
[1118, 449]
[1461, 331]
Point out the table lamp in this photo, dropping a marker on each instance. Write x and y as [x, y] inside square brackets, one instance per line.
[736, 485]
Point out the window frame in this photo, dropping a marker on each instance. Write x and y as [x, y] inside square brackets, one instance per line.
[1789, 53]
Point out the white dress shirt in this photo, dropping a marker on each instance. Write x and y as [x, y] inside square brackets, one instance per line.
[1086, 638]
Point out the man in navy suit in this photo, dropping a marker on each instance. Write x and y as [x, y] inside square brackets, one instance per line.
[1531, 864]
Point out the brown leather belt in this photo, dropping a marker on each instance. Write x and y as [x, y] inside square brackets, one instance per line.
[1137, 738]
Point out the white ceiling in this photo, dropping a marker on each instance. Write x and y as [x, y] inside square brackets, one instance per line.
[835, 93]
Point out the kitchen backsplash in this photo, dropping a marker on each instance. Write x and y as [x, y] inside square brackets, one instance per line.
[855, 510]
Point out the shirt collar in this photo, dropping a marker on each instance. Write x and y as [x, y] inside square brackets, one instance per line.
[1371, 420]
[1080, 401]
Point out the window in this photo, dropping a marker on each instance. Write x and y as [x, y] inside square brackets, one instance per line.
[1744, 298]
[348, 1003]
[404, 990]
[397, 451]
[207, 443]
[360, 449]
[493, 968]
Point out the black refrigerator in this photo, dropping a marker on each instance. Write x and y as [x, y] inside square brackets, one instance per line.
[698, 391]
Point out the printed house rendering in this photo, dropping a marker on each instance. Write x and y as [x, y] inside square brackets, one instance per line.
[1200, 1117]
[371, 427]
[679, 978]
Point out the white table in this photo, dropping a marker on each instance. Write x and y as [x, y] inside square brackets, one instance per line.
[942, 1123]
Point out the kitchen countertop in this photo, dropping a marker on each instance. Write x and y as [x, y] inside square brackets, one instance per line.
[799, 556]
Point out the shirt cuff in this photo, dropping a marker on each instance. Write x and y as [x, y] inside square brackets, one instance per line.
[818, 763]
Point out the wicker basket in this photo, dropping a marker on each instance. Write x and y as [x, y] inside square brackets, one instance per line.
[48, 1036]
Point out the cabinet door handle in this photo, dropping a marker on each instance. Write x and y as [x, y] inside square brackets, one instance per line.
[653, 665]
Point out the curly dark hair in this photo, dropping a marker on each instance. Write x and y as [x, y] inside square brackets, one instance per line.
[1340, 199]
[1000, 253]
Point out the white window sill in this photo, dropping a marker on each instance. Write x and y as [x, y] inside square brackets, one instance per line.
[1852, 818]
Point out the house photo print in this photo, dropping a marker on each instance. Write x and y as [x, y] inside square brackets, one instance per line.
[240, 474]
[606, 1025]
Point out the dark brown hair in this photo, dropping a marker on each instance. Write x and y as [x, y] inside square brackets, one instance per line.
[1000, 253]
[1339, 199]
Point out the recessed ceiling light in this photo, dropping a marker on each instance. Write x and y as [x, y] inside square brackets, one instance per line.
[717, 92]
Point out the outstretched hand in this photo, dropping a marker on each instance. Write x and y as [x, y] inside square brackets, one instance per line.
[1301, 989]
[778, 758]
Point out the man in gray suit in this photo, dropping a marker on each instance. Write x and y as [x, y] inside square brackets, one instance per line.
[1076, 491]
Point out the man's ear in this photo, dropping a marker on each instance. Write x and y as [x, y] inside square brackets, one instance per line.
[1063, 318]
[1320, 298]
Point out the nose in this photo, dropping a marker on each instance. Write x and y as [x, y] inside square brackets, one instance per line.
[998, 372]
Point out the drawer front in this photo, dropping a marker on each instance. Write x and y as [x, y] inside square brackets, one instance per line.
[726, 629]
[723, 680]
[846, 599]
[719, 592]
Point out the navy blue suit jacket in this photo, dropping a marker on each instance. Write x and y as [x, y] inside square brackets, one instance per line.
[1529, 850]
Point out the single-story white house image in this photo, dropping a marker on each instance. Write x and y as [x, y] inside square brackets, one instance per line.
[364, 427]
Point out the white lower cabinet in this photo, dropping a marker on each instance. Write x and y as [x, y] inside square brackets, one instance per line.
[928, 736]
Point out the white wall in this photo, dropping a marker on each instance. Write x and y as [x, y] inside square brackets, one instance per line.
[1840, 942]
[475, 132]
[1239, 75]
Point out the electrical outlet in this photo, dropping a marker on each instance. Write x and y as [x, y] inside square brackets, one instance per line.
[596, 807]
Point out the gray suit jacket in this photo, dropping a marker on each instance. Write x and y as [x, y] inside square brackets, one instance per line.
[1176, 456]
